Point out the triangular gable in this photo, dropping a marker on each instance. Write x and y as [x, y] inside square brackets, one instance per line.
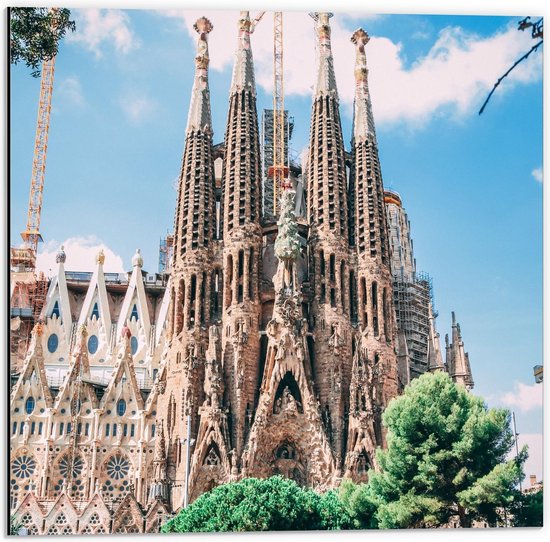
[62, 504]
[124, 367]
[97, 293]
[95, 505]
[30, 505]
[157, 511]
[135, 296]
[34, 364]
[80, 366]
[58, 293]
[129, 505]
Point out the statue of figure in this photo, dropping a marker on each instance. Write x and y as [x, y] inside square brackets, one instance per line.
[190, 357]
[240, 337]
[213, 382]
[240, 377]
[337, 379]
[289, 403]
[271, 328]
[336, 339]
[278, 405]
[26, 429]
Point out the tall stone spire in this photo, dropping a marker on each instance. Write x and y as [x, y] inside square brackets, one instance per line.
[241, 168]
[199, 112]
[329, 264]
[242, 240]
[326, 80]
[326, 169]
[193, 273]
[370, 225]
[363, 124]
[195, 212]
[243, 69]
[458, 362]
[376, 313]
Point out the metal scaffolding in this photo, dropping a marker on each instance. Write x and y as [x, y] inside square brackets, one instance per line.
[412, 299]
[166, 251]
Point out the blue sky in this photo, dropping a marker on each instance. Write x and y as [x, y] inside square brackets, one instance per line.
[472, 185]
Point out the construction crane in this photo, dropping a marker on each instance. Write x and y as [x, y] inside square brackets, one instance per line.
[31, 236]
[29, 291]
[279, 170]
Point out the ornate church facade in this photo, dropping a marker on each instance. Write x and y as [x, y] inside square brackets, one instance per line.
[270, 348]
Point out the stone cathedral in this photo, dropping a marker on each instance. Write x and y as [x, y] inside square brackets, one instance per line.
[272, 348]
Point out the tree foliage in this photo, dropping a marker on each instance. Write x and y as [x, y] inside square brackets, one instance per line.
[527, 511]
[35, 34]
[360, 503]
[272, 504]
[446, 457]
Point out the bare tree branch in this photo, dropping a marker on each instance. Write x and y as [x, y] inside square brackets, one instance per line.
[534, 48]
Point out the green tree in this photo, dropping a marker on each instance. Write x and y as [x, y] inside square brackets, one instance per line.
[446, 457]
[35, 34]
[272, 504]
[15, 525]
[527, 511]
[360, 503]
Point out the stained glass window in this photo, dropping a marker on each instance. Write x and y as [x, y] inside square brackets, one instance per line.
[23, 466]
[29, 405]
[53, 343]
[93, 343]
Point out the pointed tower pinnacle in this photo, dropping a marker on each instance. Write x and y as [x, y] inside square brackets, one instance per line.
[243, 69]
[363, 125]
[435, 361]
[458, 362]
[199, 113]
[326, 80]
[194, 224]
[241, 168]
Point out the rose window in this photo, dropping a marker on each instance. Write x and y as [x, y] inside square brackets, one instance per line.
[64, 472]
[23, 467]
[118, 467]
[64, 467]
[117, 483]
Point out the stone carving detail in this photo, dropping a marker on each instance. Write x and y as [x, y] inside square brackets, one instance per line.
[337, 338]
[213, 378]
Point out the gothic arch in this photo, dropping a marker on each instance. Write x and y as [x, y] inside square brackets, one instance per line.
[288, 395]
[60, 475]
[288, 462]
[212, 457]
[116, 476]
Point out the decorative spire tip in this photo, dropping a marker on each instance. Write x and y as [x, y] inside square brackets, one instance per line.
[360, 37]
[203, 26]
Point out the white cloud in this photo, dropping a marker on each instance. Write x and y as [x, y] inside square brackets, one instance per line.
[524, 397]
[537, 174]
[95, 27]
[534, 463]
[81, 253]
[138, 108]
[456, 74]
[70, 90]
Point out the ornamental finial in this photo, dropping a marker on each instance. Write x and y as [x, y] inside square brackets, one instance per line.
[137, 259]
[60, 257]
